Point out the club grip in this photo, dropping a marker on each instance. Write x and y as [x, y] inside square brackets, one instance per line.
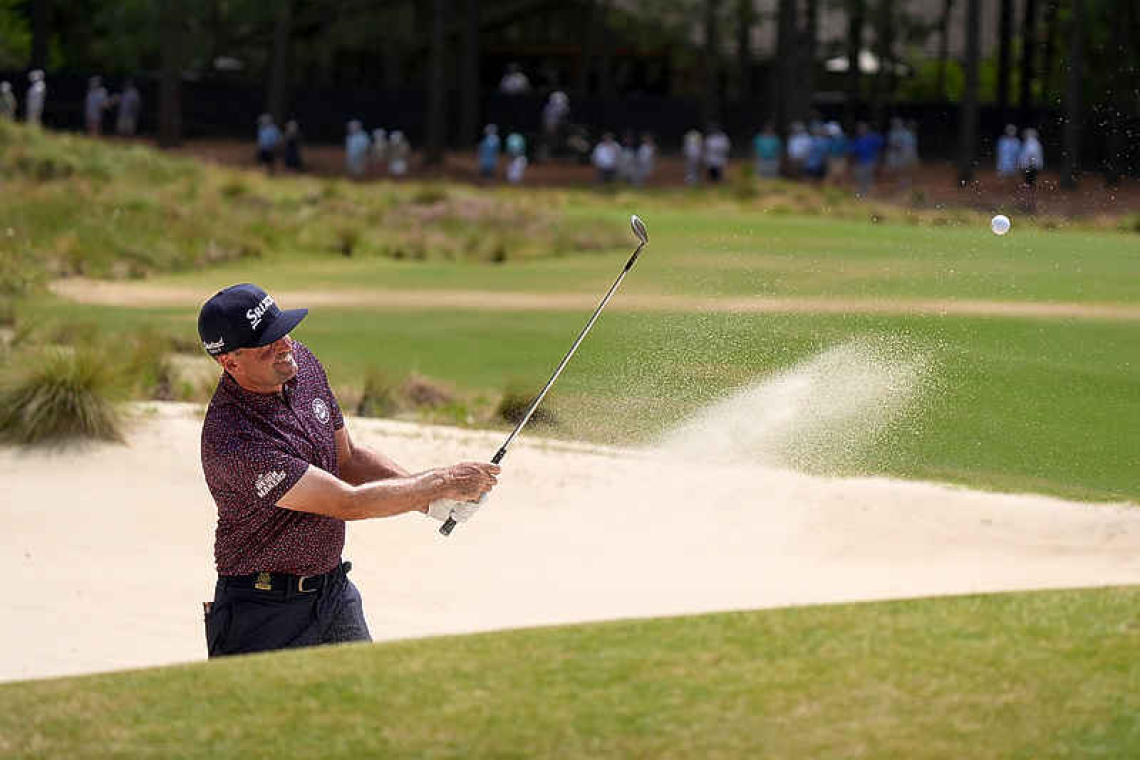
[448, 525]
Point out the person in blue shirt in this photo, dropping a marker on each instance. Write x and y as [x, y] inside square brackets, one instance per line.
[865, 150]
[516, 149]
[1008, 149]
[268, 142]
[356, 148]
[489, 151]
[766, 149]
[816, 165]
[837, 148]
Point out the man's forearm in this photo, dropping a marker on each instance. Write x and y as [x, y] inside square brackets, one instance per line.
[367, 465]
[394, 495]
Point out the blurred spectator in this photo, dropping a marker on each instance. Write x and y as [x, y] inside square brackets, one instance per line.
[399, 150]
[37, 94]
[517, 161]
[268, 142]
[766, 147]
[815, 166]
[357, 146]
[130, 105]
[94, 105]
[902, 152]
[291, 148]
[1031, 160]
[488, 151]
[514, 81]
[554, 115]
[646, 158]
[717, 147]
[7, 101]
[836, 152]
[627, 159]
[1008, 149]
[865, 150]
[694, 150]
[379, 146]
[605, 157]
[799, 145]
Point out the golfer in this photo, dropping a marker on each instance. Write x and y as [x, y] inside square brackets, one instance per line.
[285, 476]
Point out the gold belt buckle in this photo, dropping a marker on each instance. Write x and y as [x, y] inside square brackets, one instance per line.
[301, 585]
[264, 582]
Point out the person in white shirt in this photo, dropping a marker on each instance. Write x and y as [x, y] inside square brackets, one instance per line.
[717, 147]
[646, 157]
[799, 146]
[1031, 158]
[694, 150]
[94, 105]
[37, 94]
[356, 149]
[605, 157]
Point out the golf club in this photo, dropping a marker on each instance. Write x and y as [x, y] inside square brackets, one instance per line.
[643, 237]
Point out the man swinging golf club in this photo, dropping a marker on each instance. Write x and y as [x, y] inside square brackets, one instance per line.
[285, 476]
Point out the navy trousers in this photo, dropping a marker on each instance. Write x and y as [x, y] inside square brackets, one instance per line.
[244, 619]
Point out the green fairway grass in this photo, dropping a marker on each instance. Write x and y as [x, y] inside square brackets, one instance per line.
[1008, 404]
[1038, 675]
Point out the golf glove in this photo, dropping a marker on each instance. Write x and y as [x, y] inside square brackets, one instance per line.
[460, 511]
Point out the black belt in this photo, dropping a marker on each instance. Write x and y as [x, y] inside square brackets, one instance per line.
[285, 582]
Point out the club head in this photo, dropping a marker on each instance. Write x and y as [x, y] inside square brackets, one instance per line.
[639, 229]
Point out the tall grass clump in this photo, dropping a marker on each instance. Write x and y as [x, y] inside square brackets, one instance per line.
[57, 394]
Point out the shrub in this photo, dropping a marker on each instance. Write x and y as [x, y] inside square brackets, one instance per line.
[60, 394]
[516, 401]
[379, 397]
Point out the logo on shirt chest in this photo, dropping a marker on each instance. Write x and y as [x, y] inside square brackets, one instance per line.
[321, 410]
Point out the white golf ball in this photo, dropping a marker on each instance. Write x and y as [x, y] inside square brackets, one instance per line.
[1000, 224]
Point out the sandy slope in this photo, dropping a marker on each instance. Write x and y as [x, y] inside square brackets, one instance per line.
[106, 550]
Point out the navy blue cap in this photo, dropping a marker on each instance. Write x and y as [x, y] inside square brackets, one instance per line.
[243, 316]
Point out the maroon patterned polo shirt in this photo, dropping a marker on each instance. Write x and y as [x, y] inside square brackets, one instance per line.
[255, 447]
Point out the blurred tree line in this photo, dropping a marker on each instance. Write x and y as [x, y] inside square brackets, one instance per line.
[1074, 58]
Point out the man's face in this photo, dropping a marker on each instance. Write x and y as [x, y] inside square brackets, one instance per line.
[264, 369]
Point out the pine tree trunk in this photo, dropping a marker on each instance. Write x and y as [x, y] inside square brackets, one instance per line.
[744, 21]
[712, 63]
[1071, 158]
[41, 33]
[784, 70]
[944, 45]
[856, 10]
[170, 84]
[471, 91]
[1005, 53]
[1028, 57]
[884, 43]
[1051, 12]
[279, 73]
[968, 126]
[433, 154]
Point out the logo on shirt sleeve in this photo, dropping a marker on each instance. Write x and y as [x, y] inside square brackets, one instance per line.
[321, 410]
[267, 482]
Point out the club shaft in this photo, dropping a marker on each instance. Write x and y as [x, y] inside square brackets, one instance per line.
[449, 525]
[566, 359]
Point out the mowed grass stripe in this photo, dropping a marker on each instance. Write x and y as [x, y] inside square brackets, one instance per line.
[1046, 674]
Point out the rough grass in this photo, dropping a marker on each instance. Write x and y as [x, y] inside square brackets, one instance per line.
[132, 212]
[56, 394]
[1051, 674]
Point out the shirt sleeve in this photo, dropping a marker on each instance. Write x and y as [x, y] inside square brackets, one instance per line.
[252, 471]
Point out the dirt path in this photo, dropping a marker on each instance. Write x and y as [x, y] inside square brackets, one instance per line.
[111, 541]
[136, 294]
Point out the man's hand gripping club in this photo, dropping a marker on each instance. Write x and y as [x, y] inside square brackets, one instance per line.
[468, 484]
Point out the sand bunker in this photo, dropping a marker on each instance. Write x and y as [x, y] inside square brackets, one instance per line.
[107, 549]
